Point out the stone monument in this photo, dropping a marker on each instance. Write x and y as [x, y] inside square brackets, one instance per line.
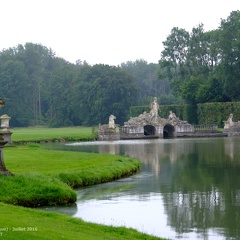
[229, 123]
[146, 125]
[154, 110]
[111, 123]
[6, 133]
[109, 131]
[230, 127]
[3, 142]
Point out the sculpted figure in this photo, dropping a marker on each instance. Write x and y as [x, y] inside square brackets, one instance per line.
[173, 118]
[154, 110]
[229, 121]
[111, 123]
[172, 115]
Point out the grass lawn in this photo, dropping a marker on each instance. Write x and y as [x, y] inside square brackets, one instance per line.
[22, 223]
[50, 134]
[46, 177]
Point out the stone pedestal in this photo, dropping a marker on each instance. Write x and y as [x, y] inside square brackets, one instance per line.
[7, 136]
[3, 169]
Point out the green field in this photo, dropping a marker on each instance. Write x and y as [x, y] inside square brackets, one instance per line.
[53, 134]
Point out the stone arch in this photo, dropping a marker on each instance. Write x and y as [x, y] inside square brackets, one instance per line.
[149, 130]
[168, 131]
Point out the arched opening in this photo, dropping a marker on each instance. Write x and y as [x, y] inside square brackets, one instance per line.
[168, 131]
[149, 130]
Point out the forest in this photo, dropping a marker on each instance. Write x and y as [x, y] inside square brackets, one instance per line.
[195, 67]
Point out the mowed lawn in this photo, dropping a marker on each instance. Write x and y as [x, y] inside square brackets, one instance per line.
[45, 134]
[31, 158]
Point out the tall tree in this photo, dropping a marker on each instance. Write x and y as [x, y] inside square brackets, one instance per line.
[14, 89]
[37, 60]
[230, 51]
[174, 57]
[147, 81]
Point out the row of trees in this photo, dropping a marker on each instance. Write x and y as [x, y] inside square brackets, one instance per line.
[204, 66]
[40, 88]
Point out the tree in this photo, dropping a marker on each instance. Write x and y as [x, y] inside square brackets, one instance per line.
[60, 96]
[37, 60]
[147, 81]
[230, 52]
[14, 89]
[106, 90]
[174, 57]
[198, 57]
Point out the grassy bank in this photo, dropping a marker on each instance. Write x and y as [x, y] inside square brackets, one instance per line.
[22, 223]
[44, 177]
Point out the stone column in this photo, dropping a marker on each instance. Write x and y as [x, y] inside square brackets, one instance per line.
[3, 169]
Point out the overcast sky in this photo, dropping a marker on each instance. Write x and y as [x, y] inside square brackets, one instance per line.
[106, 31]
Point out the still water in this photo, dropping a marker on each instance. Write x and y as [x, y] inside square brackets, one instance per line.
[186, 189]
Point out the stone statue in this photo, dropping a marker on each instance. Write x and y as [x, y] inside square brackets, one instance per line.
[229, 122]
[154, 110]
[111, 123]
[173, 118]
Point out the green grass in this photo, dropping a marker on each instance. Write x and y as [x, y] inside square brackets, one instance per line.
[44, 177]
[32, 190]
[39, 225]
[52, 134]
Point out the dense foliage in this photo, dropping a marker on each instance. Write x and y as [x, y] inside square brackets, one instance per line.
[217, 112]
[204, 66]
[39, 88]
[149, 82]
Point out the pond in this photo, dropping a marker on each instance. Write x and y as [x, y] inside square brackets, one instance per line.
[186, 189]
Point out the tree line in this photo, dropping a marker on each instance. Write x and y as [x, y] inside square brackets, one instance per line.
[195, 67]
[41, 89]
[204, 66]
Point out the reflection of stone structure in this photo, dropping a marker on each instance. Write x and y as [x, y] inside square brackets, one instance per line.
[230, 127]
[146, 125]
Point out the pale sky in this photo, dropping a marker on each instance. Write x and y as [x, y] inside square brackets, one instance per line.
[106, 31]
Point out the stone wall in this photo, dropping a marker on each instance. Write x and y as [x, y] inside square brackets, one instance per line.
[184, 128]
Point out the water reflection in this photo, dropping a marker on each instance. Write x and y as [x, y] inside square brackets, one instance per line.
[187, 188]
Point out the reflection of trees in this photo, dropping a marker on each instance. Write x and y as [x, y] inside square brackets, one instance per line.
[204, 189]
[198, 180]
